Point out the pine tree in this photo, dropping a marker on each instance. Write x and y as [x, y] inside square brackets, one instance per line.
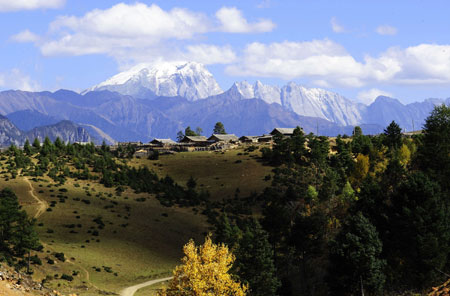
[355, 261]
[255, 261]
[219, 128]
[36, 144]
[27, 148]
[434, 153]
[393, 136]
[419, 241]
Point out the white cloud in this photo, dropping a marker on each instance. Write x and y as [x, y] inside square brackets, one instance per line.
[386, 30]
[25, 36]
[16, 79]
[325, 62]
[210, 54]
[16, 5]
[335, 26]
[322, 60]
[369, 95]
[120, 27]
[232, 21]
[135, 33]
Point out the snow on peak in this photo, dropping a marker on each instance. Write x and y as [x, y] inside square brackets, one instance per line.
[268, 93]
[186, 79]
[305, 101]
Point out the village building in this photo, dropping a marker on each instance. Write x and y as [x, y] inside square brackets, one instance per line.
[129, 143]
[163, 142]
[265, 139]
[195, 140]
[226, 138]
[285, 132]
[249, 139]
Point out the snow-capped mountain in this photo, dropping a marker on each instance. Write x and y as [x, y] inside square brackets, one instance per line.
[190, 80]
[268, 93]
[304, 101]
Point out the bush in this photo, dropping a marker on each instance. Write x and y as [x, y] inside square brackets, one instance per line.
[60, 256]
[67, 277]
[35, 260]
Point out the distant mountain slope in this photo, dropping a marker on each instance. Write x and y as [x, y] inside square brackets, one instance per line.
[58, 105]
[185, 79]
[67, 131]
[9, 133]
[26, 120]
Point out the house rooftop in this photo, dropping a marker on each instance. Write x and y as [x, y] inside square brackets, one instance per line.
[163, 141]
[224, 137]
[195, 138]
[283, 131]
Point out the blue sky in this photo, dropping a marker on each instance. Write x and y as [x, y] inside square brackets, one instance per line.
[359, 49]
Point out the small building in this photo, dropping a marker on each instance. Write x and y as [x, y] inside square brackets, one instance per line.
[195, 140]
[226, 138]
[141, 153]
[248, 139]
[285, 132]
[265, 139]
[124, 144]
[163, 142]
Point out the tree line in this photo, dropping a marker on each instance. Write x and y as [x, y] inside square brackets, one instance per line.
[371, 217]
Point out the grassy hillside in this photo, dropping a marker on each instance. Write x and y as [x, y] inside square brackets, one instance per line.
[113, 241]
[220, 173]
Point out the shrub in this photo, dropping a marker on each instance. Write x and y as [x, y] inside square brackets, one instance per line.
[67, 277]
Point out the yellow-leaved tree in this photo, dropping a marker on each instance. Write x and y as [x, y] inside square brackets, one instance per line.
[204, 272]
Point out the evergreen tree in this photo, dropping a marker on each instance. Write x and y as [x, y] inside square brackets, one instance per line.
[298, 141]
[219, 128]
[198, 131]
[419, 241]
[180, 136]
[27, 147]
[434, 153]
[393, 136]
[189, 132]
[25, 237]
[357, 131]
[36, 144]
[355, 262]
[255, 261]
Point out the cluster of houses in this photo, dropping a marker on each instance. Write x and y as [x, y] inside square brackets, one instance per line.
[202, 143]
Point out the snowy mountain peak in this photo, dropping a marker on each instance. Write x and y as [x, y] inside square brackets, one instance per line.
[305, 101]
[268, 93]
[190, 80]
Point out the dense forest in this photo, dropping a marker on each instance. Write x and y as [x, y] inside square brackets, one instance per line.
[370, 218]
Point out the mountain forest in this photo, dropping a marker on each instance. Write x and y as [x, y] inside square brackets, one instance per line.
[359, 215]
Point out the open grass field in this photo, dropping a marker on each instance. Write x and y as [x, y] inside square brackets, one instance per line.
[217, 172]
[111, 242]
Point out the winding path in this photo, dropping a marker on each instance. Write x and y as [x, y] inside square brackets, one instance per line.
[42, 207]
[131, 290]
[42, 204]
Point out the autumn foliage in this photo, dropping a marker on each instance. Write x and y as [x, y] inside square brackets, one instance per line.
[204, 272]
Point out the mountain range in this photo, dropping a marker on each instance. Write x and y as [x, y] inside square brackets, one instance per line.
[65, 130]
[159, 100]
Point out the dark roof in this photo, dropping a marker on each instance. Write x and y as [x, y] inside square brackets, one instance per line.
[283, 131]
[223, 137]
